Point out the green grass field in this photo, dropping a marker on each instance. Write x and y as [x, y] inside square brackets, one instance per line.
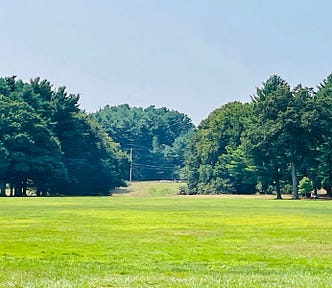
[157, 239]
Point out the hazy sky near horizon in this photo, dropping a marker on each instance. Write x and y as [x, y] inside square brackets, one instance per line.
[191, 56]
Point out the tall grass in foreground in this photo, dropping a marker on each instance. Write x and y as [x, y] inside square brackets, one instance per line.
[164, 242]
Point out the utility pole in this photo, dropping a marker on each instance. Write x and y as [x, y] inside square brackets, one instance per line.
[131, 165]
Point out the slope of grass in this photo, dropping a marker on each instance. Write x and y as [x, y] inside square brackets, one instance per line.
[149, 188]
[164, 242]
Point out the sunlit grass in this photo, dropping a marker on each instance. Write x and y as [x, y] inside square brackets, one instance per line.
[149, 188]
[164, 242]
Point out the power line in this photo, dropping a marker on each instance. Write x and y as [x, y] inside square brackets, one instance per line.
[146, 166]
[154, 166]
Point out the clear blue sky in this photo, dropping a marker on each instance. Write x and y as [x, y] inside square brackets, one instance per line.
[191, 56]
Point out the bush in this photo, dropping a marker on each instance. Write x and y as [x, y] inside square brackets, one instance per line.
[305, 187]
[183, 190]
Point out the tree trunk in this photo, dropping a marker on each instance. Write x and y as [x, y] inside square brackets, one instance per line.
[18, 189]
[278, 189]
[329, 188]
[24, 187]
[315, 193]
[2, 189]
[294, 182]
[11, 190]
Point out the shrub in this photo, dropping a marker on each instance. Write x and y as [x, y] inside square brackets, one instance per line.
[305, 187]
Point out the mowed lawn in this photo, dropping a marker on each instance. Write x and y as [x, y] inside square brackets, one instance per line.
[152, 240]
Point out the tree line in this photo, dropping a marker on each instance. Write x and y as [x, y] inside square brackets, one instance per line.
[280, 139]
[51, 147]
[281, 136]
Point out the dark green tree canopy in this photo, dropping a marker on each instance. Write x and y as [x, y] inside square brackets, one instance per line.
[155, 138]
[215, 158]
[48, 145]
[281, 136]
[322, 130]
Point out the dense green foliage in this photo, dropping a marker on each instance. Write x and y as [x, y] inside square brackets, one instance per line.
[49, 146]
[279, 137]
[322, 131]
[154, 138]
[164, 242]
[215, 159]
[305, 186]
